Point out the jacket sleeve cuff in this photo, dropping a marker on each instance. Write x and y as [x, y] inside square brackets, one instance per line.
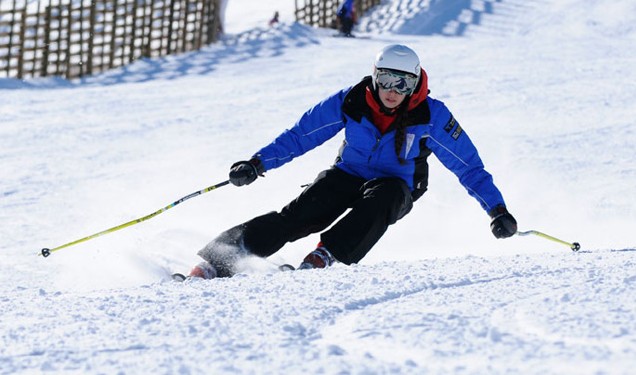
[260, 168]
[497, 211]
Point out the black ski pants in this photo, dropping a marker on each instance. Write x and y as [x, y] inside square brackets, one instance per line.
[374, 205]
[346, 25]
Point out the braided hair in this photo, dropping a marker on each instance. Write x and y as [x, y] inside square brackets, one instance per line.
[401, 121]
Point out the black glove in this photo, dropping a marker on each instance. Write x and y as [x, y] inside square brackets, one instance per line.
[503, 225]
[245, 172]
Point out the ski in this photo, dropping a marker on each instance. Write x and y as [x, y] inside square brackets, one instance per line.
[179, 277]
[351, 36]
[286, 267]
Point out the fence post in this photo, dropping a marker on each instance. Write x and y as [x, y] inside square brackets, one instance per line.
[170, 22]
[185, 14]
[82, 62]
[59, 39]
[217, 21]
[323, 16]
[200, 22]
[123, 46]
[161, 7]
[91, 40]
[113, 35]
[145, 32]
[147, 44]
[212, 14]
[9, 50]
[21, 44]
[133, 37]
[36, 39]
[47, 41]
[69, 31]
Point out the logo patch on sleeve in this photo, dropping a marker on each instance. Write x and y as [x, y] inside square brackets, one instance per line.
[450, 124]
[457, 132]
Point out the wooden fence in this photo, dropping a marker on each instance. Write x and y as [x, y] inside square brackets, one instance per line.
[322, 13]
[72, 38]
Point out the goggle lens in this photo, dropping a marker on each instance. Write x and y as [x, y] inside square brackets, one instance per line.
[402, 83]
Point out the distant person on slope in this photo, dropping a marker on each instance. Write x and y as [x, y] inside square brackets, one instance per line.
[346, 15]
[274, 20]
[391, 127]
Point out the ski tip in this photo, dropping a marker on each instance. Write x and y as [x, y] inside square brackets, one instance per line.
[286, 267]
[178, 277]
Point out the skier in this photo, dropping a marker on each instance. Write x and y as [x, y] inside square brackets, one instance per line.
[391, 127]
[346, 16]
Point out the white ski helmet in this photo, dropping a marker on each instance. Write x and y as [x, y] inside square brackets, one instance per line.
[396, 57]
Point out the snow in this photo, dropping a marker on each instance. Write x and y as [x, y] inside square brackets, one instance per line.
[545, 90]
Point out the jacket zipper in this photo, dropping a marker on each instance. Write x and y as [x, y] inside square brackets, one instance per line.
[375, 147]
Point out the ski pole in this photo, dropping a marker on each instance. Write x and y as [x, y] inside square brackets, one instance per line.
[574, 246]
[46, 251]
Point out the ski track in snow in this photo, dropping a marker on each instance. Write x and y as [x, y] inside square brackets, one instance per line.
[459, 315]
[511, 303]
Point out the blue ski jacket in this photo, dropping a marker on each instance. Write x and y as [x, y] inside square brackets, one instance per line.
[345, 9]
[369, 154]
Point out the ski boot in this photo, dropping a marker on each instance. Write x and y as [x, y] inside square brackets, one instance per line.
[319, 258]
[203, 270]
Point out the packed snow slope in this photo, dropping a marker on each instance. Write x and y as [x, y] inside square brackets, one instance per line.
[544, 88]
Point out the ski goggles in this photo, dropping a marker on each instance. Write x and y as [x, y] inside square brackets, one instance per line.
[400, 82]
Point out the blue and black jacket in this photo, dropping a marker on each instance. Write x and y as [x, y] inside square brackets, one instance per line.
[345, 10]
[369, 154]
